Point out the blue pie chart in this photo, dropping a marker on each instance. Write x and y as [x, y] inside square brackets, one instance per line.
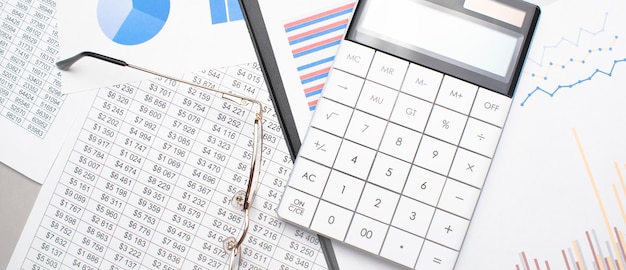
[132, 22]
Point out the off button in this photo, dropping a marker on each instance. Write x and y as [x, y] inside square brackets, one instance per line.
[298, 207]
[491, 107]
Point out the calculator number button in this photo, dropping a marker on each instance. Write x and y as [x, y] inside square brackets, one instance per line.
[435, 155]
[387, 70]
[378, 203]
[413, 216]
[389, 172]
[331, 220]
[366, 233]
[366, 129]
[343, 190]
[424, 185]
[353, 58]
[354, 159]
[400, 142]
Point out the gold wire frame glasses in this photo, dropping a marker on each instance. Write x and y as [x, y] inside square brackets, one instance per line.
[242, 200]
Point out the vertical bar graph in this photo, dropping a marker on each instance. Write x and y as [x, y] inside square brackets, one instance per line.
[223, 11]
[591, 253]
[314, 41]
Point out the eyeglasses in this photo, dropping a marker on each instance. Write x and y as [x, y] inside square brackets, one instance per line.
[242, 200]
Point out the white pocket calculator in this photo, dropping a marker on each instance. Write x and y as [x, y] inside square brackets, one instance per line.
[407, 126]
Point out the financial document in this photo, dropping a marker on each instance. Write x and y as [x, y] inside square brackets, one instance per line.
[35, 115]
[149, 176]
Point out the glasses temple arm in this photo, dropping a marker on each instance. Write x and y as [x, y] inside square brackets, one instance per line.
[67, 63]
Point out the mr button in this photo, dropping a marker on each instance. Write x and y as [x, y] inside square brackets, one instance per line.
[298, 207]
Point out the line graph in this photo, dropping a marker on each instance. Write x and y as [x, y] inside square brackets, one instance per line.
[576, 43]
[592, 253]
[552, 92]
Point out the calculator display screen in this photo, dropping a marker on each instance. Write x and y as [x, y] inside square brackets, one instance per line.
[444, 34]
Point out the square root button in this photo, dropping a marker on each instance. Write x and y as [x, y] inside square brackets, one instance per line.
[297, 207]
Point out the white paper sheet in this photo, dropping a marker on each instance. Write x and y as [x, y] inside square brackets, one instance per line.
[35, 116]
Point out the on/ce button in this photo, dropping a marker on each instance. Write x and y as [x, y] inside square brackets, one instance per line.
[298, 207]
[491, 107]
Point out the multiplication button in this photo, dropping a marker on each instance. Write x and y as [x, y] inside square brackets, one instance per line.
[470, 168]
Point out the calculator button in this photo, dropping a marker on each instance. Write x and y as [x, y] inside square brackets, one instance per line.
[447, 229]
[343, 87]
[413, 216]
[366, 129]
[491, 107]
[331, 117]
[401, 247]
[343, 190]
[387, 70]
[353, 58]
[480, 137]
[456, 94]
[424, 185]
[298, 207]
[377, 99]
[331, 220]
[436, 257]
[411, 112]
[422, 82]
[322, 147]
[446, 125]
[377, 203]
[389, 172]
[435, 155]
[458, 198]
[309, 177]
[354, 159]
[366, 233]
[400, 142]
[470, 168]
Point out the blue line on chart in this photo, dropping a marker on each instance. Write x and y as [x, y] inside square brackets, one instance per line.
[551, 94]
[563, 39]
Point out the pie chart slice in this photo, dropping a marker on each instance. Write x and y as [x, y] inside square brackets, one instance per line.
[132, 22]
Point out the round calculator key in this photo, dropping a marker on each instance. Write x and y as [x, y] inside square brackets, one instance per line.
[331, 220]
[309, 176]
[343, 190]
[366, 233]
[401, 247]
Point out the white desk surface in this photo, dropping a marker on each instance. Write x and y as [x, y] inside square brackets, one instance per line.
[18, 196]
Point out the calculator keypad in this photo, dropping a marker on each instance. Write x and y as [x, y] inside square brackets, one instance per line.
[395, 159]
